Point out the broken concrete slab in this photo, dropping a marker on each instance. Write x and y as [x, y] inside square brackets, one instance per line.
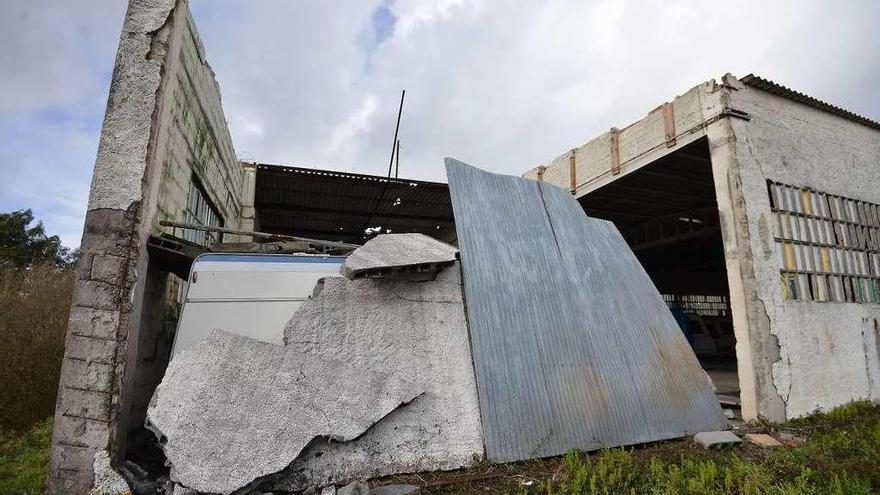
[763, 439]
[716, 439]
[402, 256]
[231, 410]
[415, 330]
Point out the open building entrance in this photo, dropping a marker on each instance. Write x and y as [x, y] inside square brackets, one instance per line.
[668, 213]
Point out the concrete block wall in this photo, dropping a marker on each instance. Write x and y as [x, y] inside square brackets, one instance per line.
[637, 144]
[164, 123]
[826, 353]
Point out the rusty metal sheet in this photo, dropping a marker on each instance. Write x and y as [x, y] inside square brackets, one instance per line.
[573, 346]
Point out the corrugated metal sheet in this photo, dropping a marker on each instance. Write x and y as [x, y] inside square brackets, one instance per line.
[780, 90]
[573, 346]
[338, 206]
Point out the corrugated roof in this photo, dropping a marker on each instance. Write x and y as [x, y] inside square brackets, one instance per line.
[332, 205]
[780, 90]
[573, 347]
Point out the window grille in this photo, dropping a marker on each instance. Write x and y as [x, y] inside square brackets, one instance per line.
[200, 211]
[827, 246]
[699, 304]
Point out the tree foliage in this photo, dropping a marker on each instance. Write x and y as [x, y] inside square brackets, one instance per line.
[24, 245]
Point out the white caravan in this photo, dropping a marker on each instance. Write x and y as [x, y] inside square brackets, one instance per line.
[248, 294]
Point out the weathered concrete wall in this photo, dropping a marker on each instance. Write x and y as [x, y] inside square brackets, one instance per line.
[637, 145]
[147, 128]
[193, 143]
[826, 352]
[793, 356]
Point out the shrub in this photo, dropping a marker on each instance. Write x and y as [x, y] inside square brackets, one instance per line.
[34, 306]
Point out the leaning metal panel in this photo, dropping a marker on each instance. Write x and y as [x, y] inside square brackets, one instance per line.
[573, 346]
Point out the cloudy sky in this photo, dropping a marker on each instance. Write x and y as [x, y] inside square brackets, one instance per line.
[505, 85]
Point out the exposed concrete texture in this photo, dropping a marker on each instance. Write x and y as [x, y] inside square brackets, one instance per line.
[826, 353]
[397, 252]
[232, 409]
[712, 439]
[415, 330]
[122, 152]
[107, 481]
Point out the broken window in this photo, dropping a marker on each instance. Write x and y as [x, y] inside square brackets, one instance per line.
[827, 246]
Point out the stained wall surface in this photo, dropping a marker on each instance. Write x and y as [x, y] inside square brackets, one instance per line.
[826, 353]
[164, 124]
[573, 346]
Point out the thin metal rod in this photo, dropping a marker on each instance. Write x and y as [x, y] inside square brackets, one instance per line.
[261, 235]
[397, 160]
[390, 164]
[396, 129]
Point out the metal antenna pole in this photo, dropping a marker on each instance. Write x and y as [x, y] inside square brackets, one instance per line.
[396, 129]
[397, 160]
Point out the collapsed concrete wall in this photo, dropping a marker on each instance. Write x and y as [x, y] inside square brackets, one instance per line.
[825, 353]
[164, 125]
[233, 409]
[416, 330]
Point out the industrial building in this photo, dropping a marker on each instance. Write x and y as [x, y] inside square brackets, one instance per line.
[754, 209]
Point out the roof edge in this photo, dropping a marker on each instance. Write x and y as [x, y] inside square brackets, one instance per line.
[777, 89]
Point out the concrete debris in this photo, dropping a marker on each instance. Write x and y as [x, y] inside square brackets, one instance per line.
[711, 439]
[107, 480]
[231, 410]
[396, 490]
[763, 440]
[415, 330]
[399, 256]
[354, 488]
[328, 490]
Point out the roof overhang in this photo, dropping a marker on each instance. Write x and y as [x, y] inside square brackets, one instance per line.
[340, 206]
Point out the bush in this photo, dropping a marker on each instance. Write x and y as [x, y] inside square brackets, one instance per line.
[34, 306]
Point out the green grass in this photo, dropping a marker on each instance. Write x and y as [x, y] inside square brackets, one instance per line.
[841, 456]
[24, 457]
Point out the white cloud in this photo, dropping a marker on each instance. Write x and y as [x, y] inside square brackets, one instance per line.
[509, 85]
[506, 85]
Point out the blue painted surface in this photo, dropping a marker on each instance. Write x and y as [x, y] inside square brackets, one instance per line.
[574, 348]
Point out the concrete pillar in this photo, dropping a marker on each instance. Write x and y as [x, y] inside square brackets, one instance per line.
[248, 189]
[756, 348]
